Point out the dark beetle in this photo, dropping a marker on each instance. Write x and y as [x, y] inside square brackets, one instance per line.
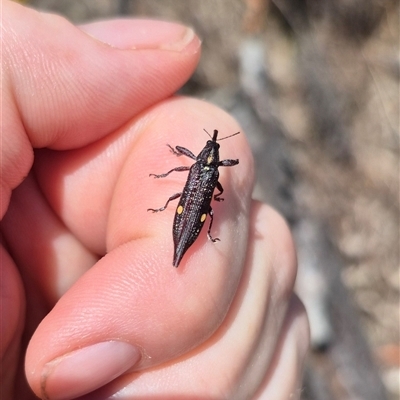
[195, 199]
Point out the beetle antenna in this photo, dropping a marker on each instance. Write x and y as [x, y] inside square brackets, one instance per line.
[226, 137]
[214, 137]
[207, 133]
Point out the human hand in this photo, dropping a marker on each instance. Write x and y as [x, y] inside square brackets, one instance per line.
[86, 271]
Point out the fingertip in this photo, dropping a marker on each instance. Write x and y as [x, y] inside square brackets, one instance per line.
[298, 320]
[271, 225]
[86, 369]
[288, 362]
[84, 89]
[141, 34]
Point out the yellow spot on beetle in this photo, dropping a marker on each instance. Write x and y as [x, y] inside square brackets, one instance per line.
[209, 159]
[203, 217]
[179, 210]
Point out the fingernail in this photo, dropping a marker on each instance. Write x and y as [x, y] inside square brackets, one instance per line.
[143, 35]
[180, 43]
[87, 369]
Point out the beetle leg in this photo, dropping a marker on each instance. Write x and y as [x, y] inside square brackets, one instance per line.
[228, 163]
[173, 150]
[211, 214]
[173, 197]
[179, 151]
[221, 189]
[172, 170]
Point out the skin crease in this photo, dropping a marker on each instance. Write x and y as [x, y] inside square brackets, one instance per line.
[86, 116]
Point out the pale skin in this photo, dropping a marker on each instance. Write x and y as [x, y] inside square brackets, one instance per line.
[86, 272]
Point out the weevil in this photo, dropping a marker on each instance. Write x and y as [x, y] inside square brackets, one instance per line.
[195, 198]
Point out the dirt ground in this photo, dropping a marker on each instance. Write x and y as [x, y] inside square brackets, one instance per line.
[334, 72]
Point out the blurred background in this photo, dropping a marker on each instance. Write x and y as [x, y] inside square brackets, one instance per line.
[315, 86]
